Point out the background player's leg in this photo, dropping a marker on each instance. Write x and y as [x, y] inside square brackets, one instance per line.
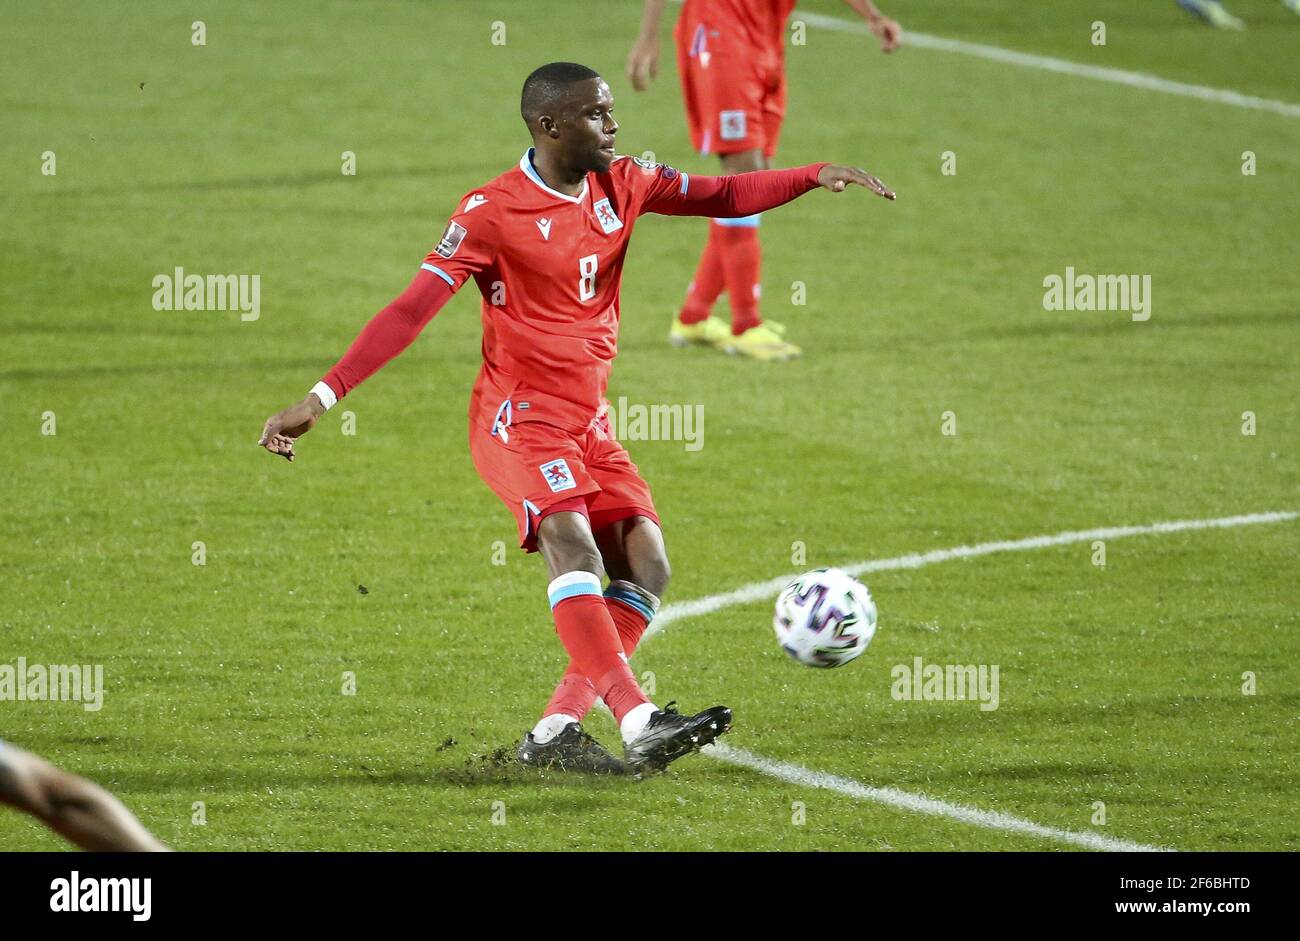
[695, 324]
[73, 807]
[583, 621]
[742, 262]
[730, 262]
[709, 281]
[741, 253]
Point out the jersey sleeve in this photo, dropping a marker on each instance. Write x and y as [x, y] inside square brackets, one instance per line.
[388, 333]
[657, 185]
[733, 196]
[468, 244]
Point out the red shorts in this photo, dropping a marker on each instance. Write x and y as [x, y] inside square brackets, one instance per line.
[734, 92]
[538, 469]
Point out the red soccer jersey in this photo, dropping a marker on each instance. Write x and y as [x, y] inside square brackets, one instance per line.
[549, 267]
[762, 22]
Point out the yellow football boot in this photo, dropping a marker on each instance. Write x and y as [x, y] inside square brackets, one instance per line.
[712, 331]
[766, 342]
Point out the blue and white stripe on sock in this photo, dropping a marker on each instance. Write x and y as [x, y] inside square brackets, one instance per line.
[634, 596]
[572, 584]
[741, 222]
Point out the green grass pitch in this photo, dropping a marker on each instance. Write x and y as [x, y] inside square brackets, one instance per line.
[1121, 684]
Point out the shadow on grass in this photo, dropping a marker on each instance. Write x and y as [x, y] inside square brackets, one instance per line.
[494, 770]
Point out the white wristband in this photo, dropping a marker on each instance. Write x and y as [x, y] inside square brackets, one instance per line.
[326, 395]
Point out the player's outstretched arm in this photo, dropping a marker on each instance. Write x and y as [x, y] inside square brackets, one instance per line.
[744, 194]
[389, 332]
[643, 60]
[73, 807]
[886, 30]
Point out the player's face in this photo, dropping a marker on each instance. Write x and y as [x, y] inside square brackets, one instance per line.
[589, 126]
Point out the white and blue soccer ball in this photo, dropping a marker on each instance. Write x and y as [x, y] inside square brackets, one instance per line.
[825, 618]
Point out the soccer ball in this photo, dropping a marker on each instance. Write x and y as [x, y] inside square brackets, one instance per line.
[825, 618]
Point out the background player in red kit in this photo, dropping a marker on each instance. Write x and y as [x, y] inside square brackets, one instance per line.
[731, 58]
[545, 244]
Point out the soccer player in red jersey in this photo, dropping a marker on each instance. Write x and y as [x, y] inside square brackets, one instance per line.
[731, 57]
[545, 242]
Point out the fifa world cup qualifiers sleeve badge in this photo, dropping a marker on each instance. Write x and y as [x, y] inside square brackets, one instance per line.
[451, 239]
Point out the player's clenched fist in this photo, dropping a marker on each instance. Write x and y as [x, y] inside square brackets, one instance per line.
[295, 421]
[836, 179]
[887, 31]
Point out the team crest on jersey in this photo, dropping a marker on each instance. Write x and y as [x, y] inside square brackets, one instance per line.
[558, 476]
[605, 215]
[451, 239]
[731, 125]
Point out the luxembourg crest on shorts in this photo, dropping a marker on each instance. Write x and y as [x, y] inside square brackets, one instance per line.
[731, 125]
[605, 215]
[558, 476]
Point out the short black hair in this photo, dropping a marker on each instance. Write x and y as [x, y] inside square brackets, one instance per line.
[549, 83]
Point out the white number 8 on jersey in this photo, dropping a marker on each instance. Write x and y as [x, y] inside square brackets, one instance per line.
[587, 281]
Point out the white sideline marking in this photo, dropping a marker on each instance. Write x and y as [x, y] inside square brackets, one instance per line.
[1065, 67]
[919, 803]
[757, 591]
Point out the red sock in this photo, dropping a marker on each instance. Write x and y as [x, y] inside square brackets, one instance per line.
[741, 262]
[709, 280]
[630, 622]
[588, 633]
[575, 694]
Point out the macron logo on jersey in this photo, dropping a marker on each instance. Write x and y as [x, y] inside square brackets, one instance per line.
[606, 216]
[544, 226]
[558, 476]
[478, 199]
